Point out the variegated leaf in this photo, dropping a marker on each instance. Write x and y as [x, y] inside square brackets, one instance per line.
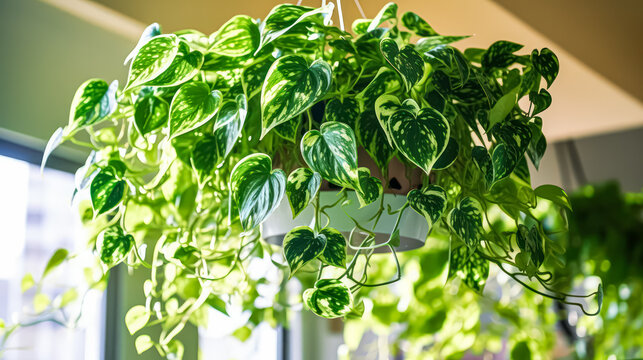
[330, 298]
[387, 13]
[284, 18]
[531, 243]
[407, 62]
[448, 156]
[370, 187]
[374, 139]
[291, 87]
[387, 105]
[237, 37]
[290, 129]
[150, 113]
[538, 143]
[229, 124]
[301, 246]
[106, 190]
[386, 81]
[332, 152]
[466, 221]
[204, 157]
[301, 187]
[470, 267]
[429, 201]
[94, 101]
[503, 159]
[482, 159]
[256, 189]
[500, 55]
[421, 138]
[335, 251]
[185, 66]
[114, 245]
[343, 110]
[427, 43]
[192, 106]
[540, 101]
[150, 32]
[546, 63]
[253, 76]
[515, 134]
[152, 59]
[419, 26]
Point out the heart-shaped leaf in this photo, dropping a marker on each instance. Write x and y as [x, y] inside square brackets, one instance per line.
[470, 267]
[113, 245]
[94, 101]
[301, 246]
[290, 129]
[229, 124]
[291, 87]
[106, 191]
[541, 101]
[370, 187]
[448, 156]
[515, 134]
[335, 251]
[503, 159]
[386, 105]
[546, 63]
[538, 143]
[466, 221]
[185, 66]
[407, 62]
[330, 298]
[150, 31]
[386, 81]
[500, 54]
[301, 187]
[374, 139]
[256, 189]
[204, 157]
[343, 110]
[420, 138]
[285, 18]
[152, 59]
[502, 108]
[427, 43]
[192, 106]
[237, 37]
[387, 13]
[531, 243]
[150, 113]
[430, 202]
[332, 152]
[419, 26]
[253, 76]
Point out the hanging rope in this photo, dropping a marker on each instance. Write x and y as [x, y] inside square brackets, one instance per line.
[339, 13]
[359, 7]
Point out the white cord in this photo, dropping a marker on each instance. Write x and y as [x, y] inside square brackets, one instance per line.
[339, 12]
[359, 7]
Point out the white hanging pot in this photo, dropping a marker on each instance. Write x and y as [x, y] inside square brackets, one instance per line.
[413, 227]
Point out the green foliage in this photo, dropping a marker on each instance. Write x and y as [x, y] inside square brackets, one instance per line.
[191, 157]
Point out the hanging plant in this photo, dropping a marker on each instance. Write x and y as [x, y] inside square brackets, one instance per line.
[334, 145]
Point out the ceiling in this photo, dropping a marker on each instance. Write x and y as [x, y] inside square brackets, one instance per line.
[599, 89]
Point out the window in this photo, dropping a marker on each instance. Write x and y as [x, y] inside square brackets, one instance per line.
[32, 226]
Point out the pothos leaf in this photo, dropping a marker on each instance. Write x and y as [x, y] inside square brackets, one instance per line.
[256, 189]
[420, 138]
[343, 110]
[290, 129]
[503, 107]
[301, 246]
[192, 106]
[541, 101]
[204, 156]
[330, 298]
[55, 260]
[430, 202]
[229, 125]
[237, 37]
[538, 143]
[55, 140]
[253, 76]
[425, 44]
[448, 156]
[386, 105]
[185, 66]
[387, 13]
[150, 31]
[152, 59]
[150, 113]
[500, 54]
[407, 62]
[94, 101]
[386, 81]
[419, 26]
[531, 243]
[301, 187]
[546, 63]
[332, 152]
[335, 251]
[503, 159]
[470, 267]
[483, 161]
[284, 18]
[114, 245]
[370, 187]
[291, 87]
[374, 139]
[554, 194]
[106, 190]
[466, 221]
